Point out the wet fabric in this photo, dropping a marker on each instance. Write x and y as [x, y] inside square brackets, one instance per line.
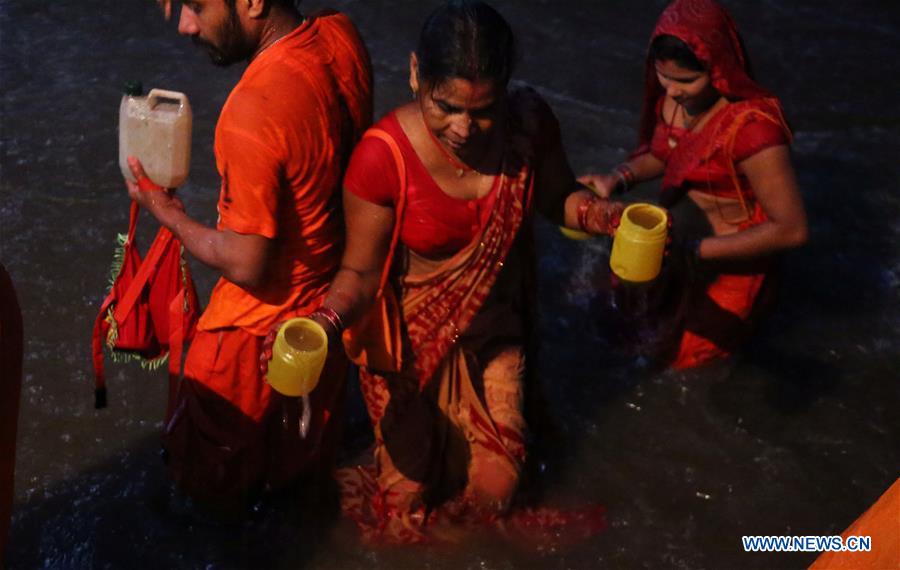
[734, 134]
[438, 225]
[720, 315]
[11, 346]
[448, 460]
[444, 441]
[232, 437]
[449, 427]
[282, 142]
[718, 311]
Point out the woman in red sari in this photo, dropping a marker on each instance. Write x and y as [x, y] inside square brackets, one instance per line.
[441, 192]
[718, 139]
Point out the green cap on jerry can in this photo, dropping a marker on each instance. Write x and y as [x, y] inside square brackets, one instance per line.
[134, 88]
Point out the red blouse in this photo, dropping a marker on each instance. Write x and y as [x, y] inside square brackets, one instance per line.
[710, 170]
[436, 225]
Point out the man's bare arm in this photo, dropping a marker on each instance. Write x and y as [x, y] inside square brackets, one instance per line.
[240, 258]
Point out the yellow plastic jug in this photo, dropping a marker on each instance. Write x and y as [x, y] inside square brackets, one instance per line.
[640, 242]
[576, 235]
[298, 357]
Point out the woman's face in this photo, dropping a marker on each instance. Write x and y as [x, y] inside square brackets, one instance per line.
[463, 114]
[691, 89]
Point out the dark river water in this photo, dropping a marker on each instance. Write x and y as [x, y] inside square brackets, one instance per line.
[796, 436]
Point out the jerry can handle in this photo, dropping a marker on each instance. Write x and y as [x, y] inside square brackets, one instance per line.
[156, 94]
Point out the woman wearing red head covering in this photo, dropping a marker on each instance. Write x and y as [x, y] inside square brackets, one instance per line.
[720, 140]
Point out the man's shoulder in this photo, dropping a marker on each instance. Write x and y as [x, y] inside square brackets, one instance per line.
[288, 79]
[341, 41]
[332, 21]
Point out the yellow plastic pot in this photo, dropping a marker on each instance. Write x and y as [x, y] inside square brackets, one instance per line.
[640, 243]
[576, 235]
[298, 357]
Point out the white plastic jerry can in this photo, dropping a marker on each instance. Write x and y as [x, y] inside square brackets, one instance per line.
[157, 130]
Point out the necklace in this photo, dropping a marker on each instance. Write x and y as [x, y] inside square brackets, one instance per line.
[673, 142]
[459, 166]
[695, 120]
[286, 34]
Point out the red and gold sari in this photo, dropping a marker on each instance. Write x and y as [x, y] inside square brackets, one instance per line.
[449, 426]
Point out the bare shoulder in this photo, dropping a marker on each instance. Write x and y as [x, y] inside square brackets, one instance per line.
[410, 119]
[408, 115]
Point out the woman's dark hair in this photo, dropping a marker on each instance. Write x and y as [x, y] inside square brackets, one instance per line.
[466, 39]
[670, 48]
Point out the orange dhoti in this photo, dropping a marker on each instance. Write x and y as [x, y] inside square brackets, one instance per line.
[231, 436]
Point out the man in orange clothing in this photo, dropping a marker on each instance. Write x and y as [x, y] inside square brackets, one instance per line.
[281, 145]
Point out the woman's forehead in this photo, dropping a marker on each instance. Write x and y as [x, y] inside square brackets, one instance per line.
[466, 92]
[673, 70]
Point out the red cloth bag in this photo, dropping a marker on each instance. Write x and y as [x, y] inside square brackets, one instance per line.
[151, 309]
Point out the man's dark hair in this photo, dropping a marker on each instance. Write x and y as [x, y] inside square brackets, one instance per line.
[467, 39]
[670, 48]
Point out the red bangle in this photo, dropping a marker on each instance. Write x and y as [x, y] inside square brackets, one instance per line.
[626, 175]
[332, 317]
[583, 212]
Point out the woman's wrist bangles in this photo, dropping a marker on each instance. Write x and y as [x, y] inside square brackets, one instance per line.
[331, 316]
[599, 216]
[582, 212]
[625, 175]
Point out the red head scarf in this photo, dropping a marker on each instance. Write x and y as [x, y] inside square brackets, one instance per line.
[710, 33]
